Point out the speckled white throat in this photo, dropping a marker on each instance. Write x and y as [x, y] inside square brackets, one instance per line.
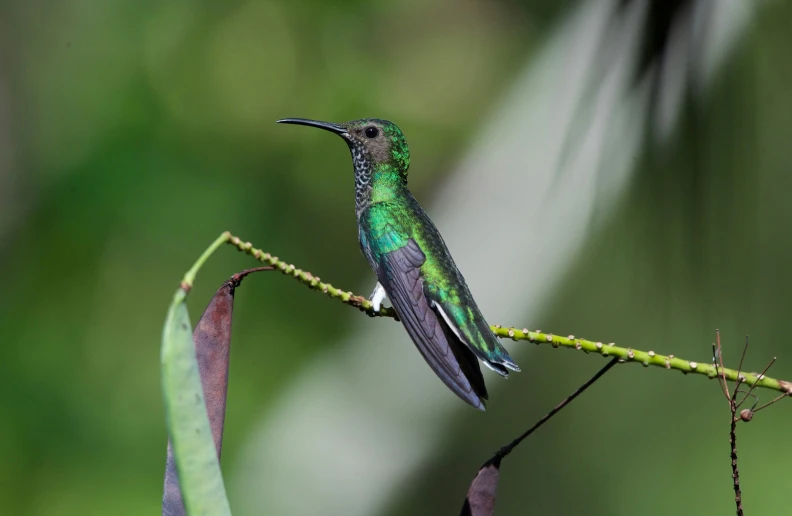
[362, 165]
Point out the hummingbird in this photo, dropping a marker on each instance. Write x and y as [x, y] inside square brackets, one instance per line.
[412, 263]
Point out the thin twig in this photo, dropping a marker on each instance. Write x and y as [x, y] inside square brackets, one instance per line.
[745, 397]
[718, 357]
[761, 375]
[769, 403]
[739, 370]
[236, 279]
[503, 452]
[753, 410]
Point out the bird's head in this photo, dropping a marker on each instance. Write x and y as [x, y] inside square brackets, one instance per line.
[373, 143]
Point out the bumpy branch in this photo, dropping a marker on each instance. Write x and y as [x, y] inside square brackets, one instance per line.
[646, 358]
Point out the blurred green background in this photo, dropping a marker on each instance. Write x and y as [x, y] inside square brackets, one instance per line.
[133, 133]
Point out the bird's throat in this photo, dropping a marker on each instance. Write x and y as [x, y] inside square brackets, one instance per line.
[375, 181]
[363, 174]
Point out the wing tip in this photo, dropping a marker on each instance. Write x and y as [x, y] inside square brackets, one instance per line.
[477, 403]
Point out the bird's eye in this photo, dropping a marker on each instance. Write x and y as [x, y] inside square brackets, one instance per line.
[371, 132]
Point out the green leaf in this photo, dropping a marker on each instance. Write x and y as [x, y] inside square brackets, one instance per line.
[185, 412]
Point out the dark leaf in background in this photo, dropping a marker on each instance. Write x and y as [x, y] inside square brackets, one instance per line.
[212, 339]
[480, 499]
[172, 502]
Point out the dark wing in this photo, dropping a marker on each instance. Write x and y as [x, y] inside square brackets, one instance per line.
[399, 273]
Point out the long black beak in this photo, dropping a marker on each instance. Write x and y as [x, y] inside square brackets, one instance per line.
[327, 126]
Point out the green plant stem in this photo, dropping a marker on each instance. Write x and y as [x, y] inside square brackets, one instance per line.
[646, 358]
[189, 276]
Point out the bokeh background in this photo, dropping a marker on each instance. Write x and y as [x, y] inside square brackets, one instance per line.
[619, 170]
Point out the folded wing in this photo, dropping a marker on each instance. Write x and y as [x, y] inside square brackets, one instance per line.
[399, 273]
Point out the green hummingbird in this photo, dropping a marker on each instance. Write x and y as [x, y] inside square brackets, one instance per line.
[412, 263]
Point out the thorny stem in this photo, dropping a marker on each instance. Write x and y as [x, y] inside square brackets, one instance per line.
[646, 358]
